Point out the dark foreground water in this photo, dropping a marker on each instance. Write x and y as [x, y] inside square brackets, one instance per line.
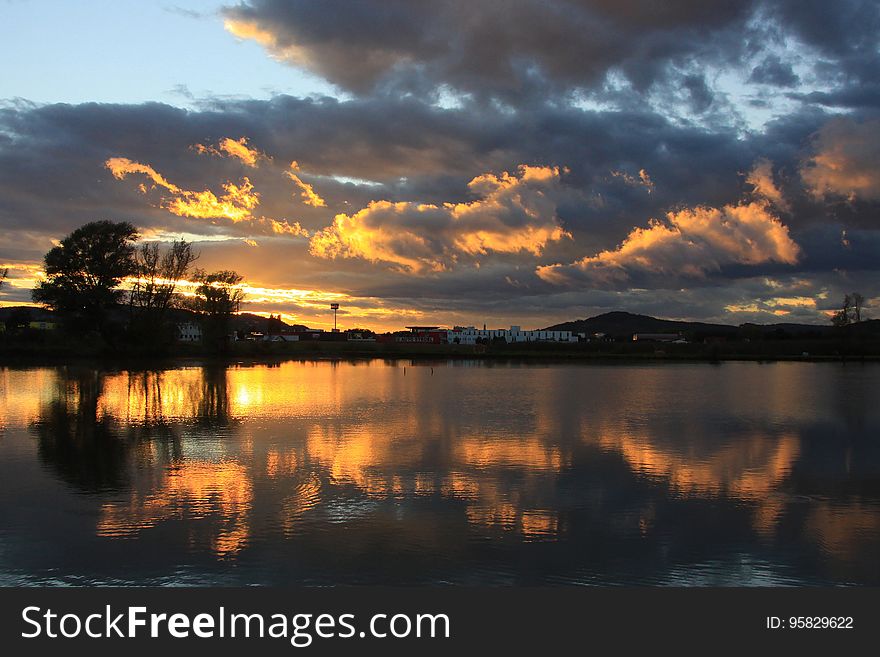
[462, 472]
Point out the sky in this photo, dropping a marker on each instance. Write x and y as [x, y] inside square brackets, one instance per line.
[459, 162]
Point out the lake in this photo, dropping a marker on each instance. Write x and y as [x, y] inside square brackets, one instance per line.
[459, 472]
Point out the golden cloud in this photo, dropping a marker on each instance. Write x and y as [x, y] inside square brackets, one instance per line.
[120, 167]
[307, 192]
[250, 30]
[691, 243]
[237, 148]
[235, 204]
[515, 213]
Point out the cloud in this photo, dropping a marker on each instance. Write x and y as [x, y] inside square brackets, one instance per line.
[307, 192]
[764, 185]
[473, 48]
[53, 179]
[236, 203]
[845, 161]
[643, 179]
[773, 71]
[237, 148]
[683, 57]
[515, 213]
[691, 243]
[120, 167]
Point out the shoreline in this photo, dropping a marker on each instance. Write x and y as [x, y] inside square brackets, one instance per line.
[622, 353]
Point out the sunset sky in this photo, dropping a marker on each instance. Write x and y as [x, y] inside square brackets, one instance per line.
[459, 162]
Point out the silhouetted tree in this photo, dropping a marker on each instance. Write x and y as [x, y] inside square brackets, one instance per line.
[857, 301]
[274, 325]
[84, 271]
[3, 275]
[218, 296]
[851, 312]
[156, 277]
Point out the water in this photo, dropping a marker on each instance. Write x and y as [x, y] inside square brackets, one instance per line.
[444, 473]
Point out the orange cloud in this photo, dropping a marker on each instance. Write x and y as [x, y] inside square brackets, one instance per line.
[249, 30]
[307, 192]
[764, 185]
[775, 305]
[120, 167]
[236, 203]
[515, 213]
[237, 148]
[691, 243]
[846, 162]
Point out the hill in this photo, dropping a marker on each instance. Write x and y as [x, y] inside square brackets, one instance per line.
[620, 323]
[624, 323]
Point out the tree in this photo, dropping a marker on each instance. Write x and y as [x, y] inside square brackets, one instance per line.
[274, 325]
[218, 296]
[3, 276]
[84, 272]
[857, 301]
[851, 313]
[153, 292]
[157, 275]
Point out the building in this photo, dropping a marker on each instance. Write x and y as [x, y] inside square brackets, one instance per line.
[360, 336]
[656, 337]
[189, 332]
[471, 335]
[416, 335]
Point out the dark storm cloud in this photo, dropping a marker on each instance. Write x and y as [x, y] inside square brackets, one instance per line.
[774, 71]
[495, 47]
[524, 49]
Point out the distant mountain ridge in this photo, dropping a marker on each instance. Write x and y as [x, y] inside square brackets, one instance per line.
[619, 323]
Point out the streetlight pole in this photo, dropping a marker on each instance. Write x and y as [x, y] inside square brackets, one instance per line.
[334, 307]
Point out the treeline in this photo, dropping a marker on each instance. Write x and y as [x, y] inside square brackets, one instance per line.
[103, 286]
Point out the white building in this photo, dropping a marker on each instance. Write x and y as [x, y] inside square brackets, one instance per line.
[470, 335]
[189, 332]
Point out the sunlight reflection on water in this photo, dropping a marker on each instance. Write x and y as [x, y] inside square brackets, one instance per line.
[349, 472]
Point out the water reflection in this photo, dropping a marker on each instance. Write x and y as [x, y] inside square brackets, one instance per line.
[81, 444]
[212, 496]
[319, 472]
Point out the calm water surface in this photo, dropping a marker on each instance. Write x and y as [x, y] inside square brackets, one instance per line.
[461, 472]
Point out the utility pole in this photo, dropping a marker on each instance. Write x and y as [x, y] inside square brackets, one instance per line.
[334, 307]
